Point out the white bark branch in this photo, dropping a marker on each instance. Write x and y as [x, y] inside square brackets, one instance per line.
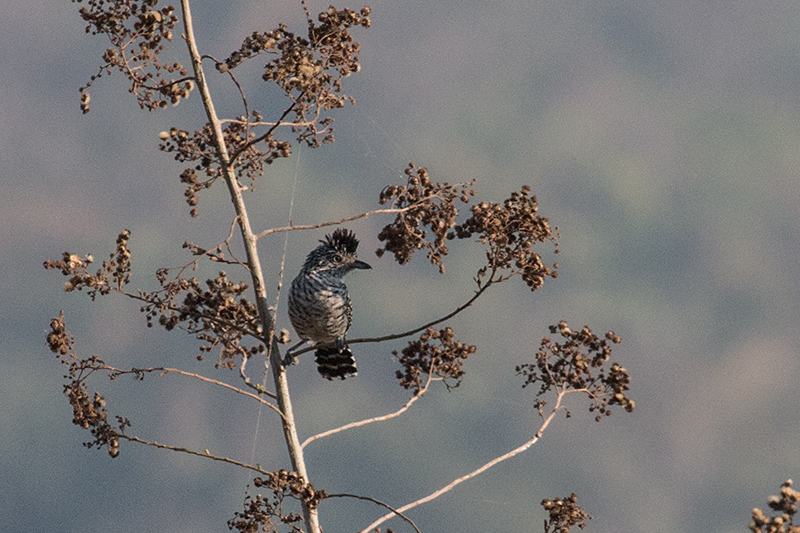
[487, 466]
[254, 263]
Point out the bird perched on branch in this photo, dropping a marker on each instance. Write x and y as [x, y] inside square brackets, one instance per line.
[320, 307]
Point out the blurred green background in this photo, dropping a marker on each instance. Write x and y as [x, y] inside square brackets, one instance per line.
[660, 137]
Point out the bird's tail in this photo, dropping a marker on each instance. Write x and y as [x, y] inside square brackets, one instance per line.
[333, 362]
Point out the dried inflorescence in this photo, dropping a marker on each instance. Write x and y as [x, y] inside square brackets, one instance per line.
[267, 513]
[442, 360]
[114, 274]
[579, 364]
[137, 31]
[218, 315]
[786, 504]
[564, 514]
[309, 69]
[510, 230]
[88, 413]
[199, 148]
[427, 205]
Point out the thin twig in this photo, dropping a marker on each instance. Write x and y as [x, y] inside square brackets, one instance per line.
[361, 423]
[450, 315]
[210, 253]
[263, 123]
[378, 502]
[260, 388]
[257, 140]
[469, 302]
[205, 453]
[166, 370]
[476, 472]
[293, 227]
[229, 72]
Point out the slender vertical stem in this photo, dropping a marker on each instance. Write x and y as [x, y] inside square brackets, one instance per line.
[228, 172]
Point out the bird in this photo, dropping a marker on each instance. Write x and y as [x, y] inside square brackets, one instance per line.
[320, 308]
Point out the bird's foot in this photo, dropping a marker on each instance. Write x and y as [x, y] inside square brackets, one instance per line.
[290, 359]
[339, 343]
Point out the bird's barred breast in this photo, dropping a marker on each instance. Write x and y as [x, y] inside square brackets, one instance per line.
[319, 313]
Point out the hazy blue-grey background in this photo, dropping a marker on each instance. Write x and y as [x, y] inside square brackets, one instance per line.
[660, 137]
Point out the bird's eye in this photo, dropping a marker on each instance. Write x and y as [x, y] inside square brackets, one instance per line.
[337, 258]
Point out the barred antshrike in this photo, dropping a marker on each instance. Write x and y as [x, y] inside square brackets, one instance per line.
[320, 307]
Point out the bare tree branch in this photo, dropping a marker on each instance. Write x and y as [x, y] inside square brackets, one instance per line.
[393, 336]
[361, 423]
[293, 227]
[496, 460]
[165, 370]
[204, 453]
[226, 163]
[378, 502]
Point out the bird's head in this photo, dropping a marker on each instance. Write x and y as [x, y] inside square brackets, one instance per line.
[336, 255]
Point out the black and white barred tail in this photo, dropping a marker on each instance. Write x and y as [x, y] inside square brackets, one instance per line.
[333, 362]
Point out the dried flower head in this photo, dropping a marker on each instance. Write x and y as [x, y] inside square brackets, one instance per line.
[436, 354]
[786, 505]
[425, 204]
[137, 32]
[114, 274]
[309, 69]
[510, 230]
[87, 412]
[264, 513]
[217, 315]
[428, 220]
[564, 513]
[578, 363]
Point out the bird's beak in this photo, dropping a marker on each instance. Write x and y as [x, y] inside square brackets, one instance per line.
[361, 264]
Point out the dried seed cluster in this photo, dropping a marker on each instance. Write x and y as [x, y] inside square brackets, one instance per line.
[510, 230]
[218, 315]
[435, 353]
[199, 147]
[428, 205]
[114, 274]
[137, 31]
[267, 513]
[88, 413]
[309, 69]
[564, 514]
[786, 504]
[579, 363]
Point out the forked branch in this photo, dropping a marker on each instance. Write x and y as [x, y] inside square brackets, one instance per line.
[206, 454]
[450, 486]
[576, 363]
[377, 502]
[367, 421]
[368, 214]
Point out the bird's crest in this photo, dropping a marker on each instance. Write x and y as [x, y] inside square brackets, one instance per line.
[342, 240]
